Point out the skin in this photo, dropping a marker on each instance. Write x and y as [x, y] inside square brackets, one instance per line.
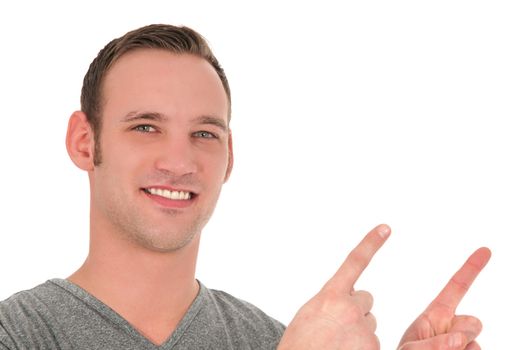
[142, 254]
[439, 320]
[164, 124]
[339, 317]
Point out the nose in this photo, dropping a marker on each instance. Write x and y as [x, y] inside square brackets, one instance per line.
[177, 157]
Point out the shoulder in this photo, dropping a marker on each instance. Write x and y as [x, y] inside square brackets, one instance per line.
[28, 314]
[26, 302]
[18, 303]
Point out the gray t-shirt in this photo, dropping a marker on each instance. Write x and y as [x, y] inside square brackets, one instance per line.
[60, 315]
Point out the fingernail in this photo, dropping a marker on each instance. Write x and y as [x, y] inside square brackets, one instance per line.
[384, 231]
[455, 341]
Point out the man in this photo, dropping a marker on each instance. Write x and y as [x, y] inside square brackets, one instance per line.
[153, 135]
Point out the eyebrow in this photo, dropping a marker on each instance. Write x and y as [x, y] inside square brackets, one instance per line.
[218, 122]
[134, 116]
[154, 116]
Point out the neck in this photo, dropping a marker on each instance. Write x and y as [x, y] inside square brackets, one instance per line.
[152, 290]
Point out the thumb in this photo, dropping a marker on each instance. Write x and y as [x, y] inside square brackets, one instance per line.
[449, 341]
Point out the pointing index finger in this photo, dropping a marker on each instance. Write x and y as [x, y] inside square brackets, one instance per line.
[358, 259]
[459, 284]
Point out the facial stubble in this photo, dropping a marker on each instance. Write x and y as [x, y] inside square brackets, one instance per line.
[139, 230]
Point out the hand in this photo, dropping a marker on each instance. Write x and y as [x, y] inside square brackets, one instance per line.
[339, 317]
[438, 327]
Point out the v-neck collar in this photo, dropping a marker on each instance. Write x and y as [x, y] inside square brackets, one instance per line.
[120, 322]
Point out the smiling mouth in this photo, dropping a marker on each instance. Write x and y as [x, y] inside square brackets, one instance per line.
[173, 195]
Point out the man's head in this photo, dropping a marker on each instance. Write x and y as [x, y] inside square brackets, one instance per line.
[156, 36]
[160, 118]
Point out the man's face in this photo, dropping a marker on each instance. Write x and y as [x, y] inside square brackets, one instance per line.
[165, 148]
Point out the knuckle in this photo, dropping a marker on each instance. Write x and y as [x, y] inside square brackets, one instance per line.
[475, 324]
[463, 286]
[359, 259]
[373, 343]
[369, 297]
[328, 296]
[365, 300]
[372, 321]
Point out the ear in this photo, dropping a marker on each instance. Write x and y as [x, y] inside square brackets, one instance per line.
[80, 141]
[230, 157]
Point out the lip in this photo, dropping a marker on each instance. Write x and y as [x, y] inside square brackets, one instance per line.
[170, 203]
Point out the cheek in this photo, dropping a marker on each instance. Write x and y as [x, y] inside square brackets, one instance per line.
[120, 163]
[214, 168]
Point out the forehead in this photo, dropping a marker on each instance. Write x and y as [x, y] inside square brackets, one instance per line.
[178, 85]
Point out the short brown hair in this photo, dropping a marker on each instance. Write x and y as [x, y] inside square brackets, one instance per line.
[155, 36]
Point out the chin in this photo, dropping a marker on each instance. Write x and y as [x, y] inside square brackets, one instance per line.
[165, 243]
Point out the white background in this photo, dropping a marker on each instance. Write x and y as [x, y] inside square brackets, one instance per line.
[344, 117]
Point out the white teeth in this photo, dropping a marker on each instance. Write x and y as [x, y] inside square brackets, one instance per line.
[174, 195]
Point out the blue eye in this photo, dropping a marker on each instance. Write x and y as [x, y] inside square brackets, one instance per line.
[144, 128]
[205, 135]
